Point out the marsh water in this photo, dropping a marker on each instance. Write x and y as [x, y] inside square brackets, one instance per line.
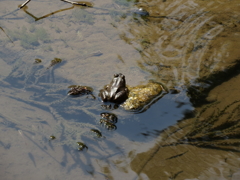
[190, 46]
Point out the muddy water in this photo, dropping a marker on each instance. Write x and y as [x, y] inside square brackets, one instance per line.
[188, 45]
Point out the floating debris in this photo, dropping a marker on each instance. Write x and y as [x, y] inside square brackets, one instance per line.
[37, 61]
[109, 117]
[54, 62]
[97, 132]
[52, 138]
[81, 146]
[108, 125]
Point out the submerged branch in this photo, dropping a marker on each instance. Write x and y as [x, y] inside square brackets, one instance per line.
[47, 15]
[6, 34]
[71, 2]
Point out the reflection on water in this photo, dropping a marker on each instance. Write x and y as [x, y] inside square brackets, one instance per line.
[189, 45]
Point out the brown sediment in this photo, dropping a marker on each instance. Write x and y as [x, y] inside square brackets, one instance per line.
[196, 147]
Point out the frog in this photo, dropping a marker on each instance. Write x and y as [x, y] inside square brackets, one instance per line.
[116, 91]
[77, 90]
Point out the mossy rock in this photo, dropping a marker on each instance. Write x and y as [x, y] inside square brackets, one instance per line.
[142, 96]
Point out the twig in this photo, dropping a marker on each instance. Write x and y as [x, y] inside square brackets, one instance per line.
[75, 3]
[71, 2]
[50, 14]
[24, 4]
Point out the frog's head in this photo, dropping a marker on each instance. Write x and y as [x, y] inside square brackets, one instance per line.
[118, 81]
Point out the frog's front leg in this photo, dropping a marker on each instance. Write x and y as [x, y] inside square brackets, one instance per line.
[104, 95]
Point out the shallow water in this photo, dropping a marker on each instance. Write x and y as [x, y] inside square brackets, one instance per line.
[188, 45]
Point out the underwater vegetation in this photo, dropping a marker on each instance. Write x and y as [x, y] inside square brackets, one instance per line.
[30, 38]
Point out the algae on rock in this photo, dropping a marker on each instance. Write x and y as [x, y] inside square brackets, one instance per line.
[142, 96]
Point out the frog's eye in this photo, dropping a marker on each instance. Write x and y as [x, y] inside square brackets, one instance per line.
[115, 75]
[121, 75]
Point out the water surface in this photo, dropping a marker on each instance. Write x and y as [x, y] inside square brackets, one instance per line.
[191, 46]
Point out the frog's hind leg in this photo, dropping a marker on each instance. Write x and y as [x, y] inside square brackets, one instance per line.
[121, 96]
